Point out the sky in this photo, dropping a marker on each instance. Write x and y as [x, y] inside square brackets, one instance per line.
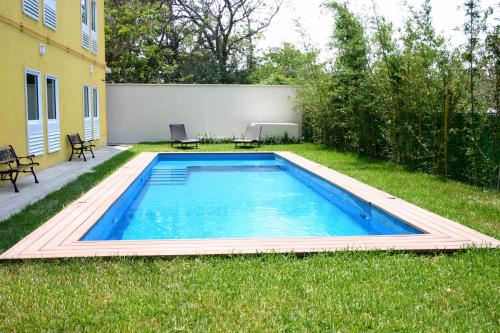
[318, 23]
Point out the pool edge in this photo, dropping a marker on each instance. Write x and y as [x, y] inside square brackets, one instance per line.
[59, 236]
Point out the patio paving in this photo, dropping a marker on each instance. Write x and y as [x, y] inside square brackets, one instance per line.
[50, 179]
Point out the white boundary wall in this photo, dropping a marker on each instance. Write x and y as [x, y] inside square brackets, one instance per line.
[142, 112]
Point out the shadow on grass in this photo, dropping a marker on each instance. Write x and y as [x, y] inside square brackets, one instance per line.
[245, 148]
[367, 163]
[263, 258]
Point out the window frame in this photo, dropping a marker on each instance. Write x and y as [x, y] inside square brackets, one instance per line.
[96, 112]
[93, 15]
[38, 76]
[34, 128]
[56, 97]
[86, 11]
[86, 101]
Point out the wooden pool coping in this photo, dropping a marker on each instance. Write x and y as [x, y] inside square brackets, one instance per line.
[59, 236]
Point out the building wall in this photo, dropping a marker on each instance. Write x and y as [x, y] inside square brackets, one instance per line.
[142, 112]
[65, 58]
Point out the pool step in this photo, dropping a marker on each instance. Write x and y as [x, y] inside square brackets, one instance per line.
[168, 176]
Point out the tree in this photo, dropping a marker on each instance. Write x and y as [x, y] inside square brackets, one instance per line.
[144, 40]
[475, 25]
[188, 41]
[407, 98]
[284, 65]
[493, 66]
[223, 27]
[350, 91]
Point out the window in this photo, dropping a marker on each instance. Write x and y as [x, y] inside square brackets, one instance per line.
[93, 25]
[51, 99]
[32, 96]
[96, 103]
[34, 112]
[31, 8]
[49, 13]
[86, 108]
[84, 12]
[85, 24]
[94, 16]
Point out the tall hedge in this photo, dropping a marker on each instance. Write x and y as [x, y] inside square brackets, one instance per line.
[410, 99]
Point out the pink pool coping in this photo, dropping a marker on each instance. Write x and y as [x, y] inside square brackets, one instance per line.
[59, 236]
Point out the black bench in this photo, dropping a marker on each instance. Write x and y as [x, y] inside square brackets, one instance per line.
[78, 146]
[12, 165]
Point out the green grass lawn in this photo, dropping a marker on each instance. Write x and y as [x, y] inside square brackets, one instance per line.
[324, 292]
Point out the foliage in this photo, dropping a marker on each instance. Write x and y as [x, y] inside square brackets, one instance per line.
[225, 30]
[141, 41]
[195, 41]
[409, 99]
[323, 292]
[285, 65]
[266, 140]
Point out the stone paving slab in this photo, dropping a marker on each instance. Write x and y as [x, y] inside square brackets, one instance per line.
[50, 180]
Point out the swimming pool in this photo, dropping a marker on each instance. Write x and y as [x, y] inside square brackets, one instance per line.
[204, 196]
[280, 204]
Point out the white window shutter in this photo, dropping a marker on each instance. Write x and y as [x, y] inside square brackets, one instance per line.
[31, 8]
[85, 37]
[95, 47]
[50, 13]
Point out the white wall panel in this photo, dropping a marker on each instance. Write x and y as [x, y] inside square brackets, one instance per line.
[142, 112]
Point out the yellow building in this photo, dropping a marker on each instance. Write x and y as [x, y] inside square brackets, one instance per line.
[52, 73]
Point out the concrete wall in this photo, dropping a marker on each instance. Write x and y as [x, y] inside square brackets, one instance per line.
[142, 112]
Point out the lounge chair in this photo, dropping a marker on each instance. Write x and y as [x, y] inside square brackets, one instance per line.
[13, 165]
[252, 136]
[178, 135]
[78, 146]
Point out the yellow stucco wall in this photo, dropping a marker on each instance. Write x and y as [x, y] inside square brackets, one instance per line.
[19, 51]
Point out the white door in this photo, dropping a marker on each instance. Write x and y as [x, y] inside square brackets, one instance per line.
[85, 24]
[87, 120]
[95, 113]
[93, 26]
[52, 102]
[34, 118]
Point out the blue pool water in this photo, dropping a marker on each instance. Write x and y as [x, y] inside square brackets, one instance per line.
[187, 196]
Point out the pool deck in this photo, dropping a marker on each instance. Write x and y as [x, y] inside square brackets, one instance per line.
[59, 237]
[50, 180]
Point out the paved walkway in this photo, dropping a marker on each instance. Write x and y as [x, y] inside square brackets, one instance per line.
[50, 179]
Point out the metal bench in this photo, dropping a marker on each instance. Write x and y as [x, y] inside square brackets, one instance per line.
[78, 146]
[12, 165]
